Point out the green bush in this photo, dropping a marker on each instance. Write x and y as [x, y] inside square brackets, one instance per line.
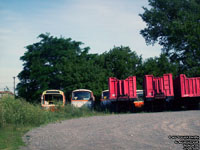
[19, 112]
[18, 116]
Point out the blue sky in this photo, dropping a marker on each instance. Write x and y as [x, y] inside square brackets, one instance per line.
[99, 24]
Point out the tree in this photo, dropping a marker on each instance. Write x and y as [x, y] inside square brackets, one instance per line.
[158, 66]
[121, 62]
[175, 24]
[57, 63]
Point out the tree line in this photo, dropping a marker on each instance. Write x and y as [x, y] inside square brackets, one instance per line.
[62, 63]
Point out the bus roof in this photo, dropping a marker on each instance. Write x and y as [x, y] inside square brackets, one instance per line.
[85, 90]
[105, 91]
[52, 92]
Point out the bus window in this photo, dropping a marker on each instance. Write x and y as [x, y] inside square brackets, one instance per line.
[81, 95]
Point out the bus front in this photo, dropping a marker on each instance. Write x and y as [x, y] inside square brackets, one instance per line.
[105, 98]
[82, 97]
[52, 98]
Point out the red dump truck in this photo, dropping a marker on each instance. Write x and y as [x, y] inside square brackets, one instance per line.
[122, 93]
[158, 91]
[187, 91]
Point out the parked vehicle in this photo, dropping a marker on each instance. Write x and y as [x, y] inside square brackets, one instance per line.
[139, 102]
[118, 89]
[105, 99]
[122, 93]
[52, 98]
[156, 88]
[158, 91]
[82, 97]
[187, 91]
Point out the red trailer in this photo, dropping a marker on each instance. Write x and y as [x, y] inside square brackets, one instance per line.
[158, 91]
[187, 90]
[122, 93]
[122, 88]
[187, 87]
[158, 87]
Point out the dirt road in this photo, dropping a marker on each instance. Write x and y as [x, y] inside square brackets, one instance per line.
[138, 131]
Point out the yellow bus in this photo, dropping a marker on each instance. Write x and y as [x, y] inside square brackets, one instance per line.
[52, 98]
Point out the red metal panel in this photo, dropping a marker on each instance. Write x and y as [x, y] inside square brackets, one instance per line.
[120, 87]
[159, 87]
[148, 86]
[168, 85]
[129, 87]
[190, 87]
[113, 87]
[125, 87]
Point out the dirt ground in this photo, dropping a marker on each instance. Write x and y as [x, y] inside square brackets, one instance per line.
[139, 131]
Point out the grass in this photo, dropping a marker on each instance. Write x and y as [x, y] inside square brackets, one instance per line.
[18, 116]
[11, 137]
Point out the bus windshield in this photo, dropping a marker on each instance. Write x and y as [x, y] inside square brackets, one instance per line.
[53, 98]
[81, 95]
[105, 95]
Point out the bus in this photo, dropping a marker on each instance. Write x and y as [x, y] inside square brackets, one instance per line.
[139, 103]
[105, 98]
[52, 98]
[82, 97]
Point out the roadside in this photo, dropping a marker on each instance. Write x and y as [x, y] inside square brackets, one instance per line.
[18, 116]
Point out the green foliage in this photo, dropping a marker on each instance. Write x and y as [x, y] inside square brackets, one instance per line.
[121, 62]
[10, 137]
[175, 24]
[159, 66]
[58, 63]
[20, 112]
[18, 116]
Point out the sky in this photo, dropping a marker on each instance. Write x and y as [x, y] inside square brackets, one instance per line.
[99, 24]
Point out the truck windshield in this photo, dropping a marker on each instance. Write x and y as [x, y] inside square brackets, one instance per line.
[105, 95]
[81, 95]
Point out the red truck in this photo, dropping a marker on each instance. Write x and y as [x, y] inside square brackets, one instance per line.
[158, 91]
[187, 91]
[122, 94]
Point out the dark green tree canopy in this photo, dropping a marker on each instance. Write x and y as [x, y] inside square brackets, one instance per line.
[60, 63]
[158, 66]
[55, 63]
[122, 62]
[175, 24]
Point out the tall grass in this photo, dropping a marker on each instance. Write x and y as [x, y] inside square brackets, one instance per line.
[18, 116]
[19, 112]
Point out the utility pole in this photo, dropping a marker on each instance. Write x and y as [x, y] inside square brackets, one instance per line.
[14, 86]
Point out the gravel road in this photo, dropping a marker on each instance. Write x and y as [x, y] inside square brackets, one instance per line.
[139, 131]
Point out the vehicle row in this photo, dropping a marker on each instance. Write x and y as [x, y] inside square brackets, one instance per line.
[158, 93]
[80, 97]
